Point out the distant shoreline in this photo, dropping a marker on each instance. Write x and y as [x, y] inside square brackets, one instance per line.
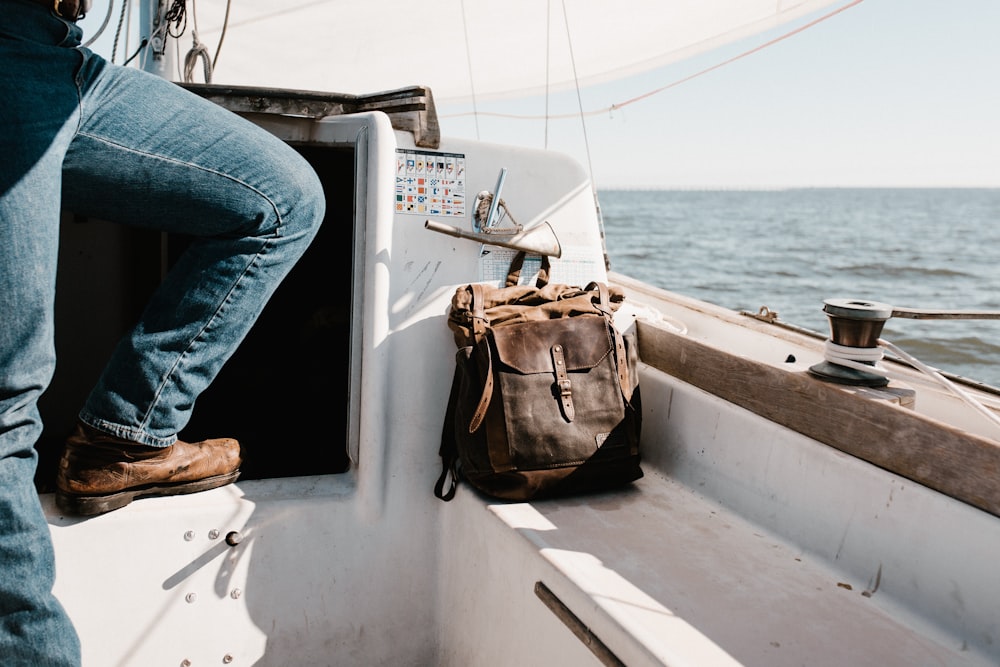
[790, 188]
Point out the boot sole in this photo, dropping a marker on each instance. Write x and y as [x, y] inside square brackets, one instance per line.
[81, 505]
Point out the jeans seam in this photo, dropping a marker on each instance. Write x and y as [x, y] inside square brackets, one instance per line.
[78, 85]
[144, 422]
[193, 165]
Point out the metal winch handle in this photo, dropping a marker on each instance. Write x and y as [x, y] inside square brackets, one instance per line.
[924, 314]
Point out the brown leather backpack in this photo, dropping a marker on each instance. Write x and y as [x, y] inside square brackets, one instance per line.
[545, 397]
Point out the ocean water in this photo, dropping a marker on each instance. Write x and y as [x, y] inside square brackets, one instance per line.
[791, 249]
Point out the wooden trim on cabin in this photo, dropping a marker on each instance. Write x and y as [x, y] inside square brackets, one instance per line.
[960, 464]
[409, 109]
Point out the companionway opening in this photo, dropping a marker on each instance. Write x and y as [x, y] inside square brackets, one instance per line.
[285, 393]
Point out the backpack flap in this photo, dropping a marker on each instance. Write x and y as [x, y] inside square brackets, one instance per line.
[556, 348]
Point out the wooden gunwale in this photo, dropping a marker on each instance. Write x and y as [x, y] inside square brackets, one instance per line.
[952, 461]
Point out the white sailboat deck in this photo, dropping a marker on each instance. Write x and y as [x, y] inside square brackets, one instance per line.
[746, 542]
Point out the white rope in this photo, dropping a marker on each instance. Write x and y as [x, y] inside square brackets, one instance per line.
[834, 353]
[468, 61]
[198, 50]
[222, 35]
[586, 139]
[854, 358]
[579, 98]
[483, 201]
[958, 391]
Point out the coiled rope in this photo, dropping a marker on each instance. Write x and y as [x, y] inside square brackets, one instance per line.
[174, 25]
[483, 201]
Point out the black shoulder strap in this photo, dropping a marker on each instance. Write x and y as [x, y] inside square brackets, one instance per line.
[449, 449]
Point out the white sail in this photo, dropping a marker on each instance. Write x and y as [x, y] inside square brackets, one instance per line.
[508, 49]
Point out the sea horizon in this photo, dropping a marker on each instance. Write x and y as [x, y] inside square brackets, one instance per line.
[790, 249]
[782, 188]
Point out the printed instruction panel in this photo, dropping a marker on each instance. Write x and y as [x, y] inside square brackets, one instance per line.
[429, 183]
[577, 266]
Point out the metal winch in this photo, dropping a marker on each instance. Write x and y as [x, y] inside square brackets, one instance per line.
[855, 327]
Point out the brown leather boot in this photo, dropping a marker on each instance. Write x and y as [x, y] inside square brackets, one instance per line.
[99, 472]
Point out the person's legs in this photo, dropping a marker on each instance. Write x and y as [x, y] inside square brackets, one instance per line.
[38, 115]
[34, 629]
[151, 154]
[254, 202]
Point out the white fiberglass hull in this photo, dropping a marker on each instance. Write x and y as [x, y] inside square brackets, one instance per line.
[747, 541]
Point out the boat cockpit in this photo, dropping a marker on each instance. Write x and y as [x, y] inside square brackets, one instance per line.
[781, 521]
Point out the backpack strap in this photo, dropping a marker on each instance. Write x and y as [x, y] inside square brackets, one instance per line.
[449, 448]
[516, 264]
[484, 400]
[477, 312]
[479, 326]
[602, 303]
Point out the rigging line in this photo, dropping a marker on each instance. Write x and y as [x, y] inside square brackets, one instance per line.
[176, 15]
[118, 32]
[107, 19]
[619, 105]
[198, 50]
[740, 56]
[548, 51]
[141, 47]
[586, 140]
[222, 36]
[962, 394]
[176, 20]
[579, 98]
[468, 60]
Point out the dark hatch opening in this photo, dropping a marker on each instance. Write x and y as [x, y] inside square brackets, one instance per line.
[284, 394]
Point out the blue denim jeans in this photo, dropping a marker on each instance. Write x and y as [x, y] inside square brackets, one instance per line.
[128, 147]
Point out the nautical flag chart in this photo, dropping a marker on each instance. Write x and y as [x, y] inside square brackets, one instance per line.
[430, 183]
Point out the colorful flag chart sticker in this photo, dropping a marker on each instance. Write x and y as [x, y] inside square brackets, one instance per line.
[429, 183]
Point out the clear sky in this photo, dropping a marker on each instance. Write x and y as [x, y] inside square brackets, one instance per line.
[886, 93]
